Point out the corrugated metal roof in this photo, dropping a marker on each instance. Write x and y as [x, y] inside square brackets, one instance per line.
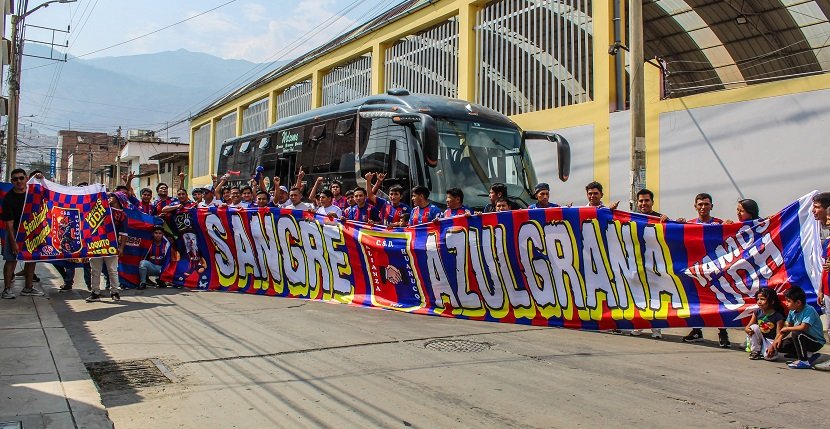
[759, 40]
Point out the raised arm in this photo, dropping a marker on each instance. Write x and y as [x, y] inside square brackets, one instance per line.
[317, 184]
[222, 182]
[130, 188]
[370, 192]
[376, 187]
[276, 198]
[261, 183]
[299, 183]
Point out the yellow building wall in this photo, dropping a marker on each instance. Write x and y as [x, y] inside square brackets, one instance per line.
[596, 112]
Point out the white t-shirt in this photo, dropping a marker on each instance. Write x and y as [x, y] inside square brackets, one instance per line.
[329, 210]
[300, 206]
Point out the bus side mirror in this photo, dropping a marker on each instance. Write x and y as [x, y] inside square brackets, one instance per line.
[563, 149]
[431, 140]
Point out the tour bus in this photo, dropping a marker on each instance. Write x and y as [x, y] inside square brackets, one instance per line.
[415, 139]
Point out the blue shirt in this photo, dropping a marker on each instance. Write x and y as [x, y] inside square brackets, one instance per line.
[390, 213]
[362, 214]
[424, 214]
[159, 253]
[807, 315]
[461, 211]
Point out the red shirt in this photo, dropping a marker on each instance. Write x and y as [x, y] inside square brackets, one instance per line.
[341, 202]
[147, 208]
[424, 214]
[366, 213]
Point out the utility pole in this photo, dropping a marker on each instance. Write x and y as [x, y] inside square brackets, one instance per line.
[118, 158]
[15, 60]
[637, 86]
[14, 91]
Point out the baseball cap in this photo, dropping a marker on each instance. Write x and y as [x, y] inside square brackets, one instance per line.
[208, 188]
[284, 189]
[541, 186]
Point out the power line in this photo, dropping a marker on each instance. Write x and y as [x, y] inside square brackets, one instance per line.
[123, 106]
[134, 38]
[270, 61]
[78, 34]
[156, 31]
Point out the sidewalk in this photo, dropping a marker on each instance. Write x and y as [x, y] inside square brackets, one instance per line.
[43, 382]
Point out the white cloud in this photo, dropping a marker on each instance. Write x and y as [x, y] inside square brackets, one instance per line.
[255, 12]
[309, 25]
[254, 30]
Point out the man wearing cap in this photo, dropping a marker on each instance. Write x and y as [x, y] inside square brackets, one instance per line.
[542, 196]
[209, 198]
[281, 196]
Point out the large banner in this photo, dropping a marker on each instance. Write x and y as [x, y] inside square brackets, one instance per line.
[65, 222]
[576, 267]
[139, 229]
[5, 187]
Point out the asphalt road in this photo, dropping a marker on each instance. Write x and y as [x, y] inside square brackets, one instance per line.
[259, 362]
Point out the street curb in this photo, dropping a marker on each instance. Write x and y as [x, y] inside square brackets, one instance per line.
[85, 408]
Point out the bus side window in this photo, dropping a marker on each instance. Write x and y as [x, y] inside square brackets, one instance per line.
[342, 153]
[305, 157]
[322, 151]
[226, 159]
[387, 150]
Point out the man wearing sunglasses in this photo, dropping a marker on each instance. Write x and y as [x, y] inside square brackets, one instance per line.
[12, 211]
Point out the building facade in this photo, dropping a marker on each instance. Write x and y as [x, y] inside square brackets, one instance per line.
[736, 92]
[82, 154]
[139, 155]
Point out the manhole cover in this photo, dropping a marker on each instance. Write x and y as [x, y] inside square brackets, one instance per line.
[461, 346]
[130, 374]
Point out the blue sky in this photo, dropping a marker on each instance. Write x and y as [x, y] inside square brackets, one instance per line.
[254, 30]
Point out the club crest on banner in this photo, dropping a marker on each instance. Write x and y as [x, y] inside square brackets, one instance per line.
[67, 229]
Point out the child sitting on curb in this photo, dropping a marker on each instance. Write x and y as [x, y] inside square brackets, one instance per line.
[802, 334]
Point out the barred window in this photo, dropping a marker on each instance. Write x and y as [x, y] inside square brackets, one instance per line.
[294, 100]
[254, 117]
[426, 62]
[201, 150]
[348, 82]
[225, 129]
[534, 55]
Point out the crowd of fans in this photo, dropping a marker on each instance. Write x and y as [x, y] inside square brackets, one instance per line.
[793, 330]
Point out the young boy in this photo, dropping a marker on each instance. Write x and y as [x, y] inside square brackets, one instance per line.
[801, 333]
[821, 211]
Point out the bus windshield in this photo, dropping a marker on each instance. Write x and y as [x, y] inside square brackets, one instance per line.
[474, 155]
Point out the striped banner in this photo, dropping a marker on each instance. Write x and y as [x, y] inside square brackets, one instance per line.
[582, 268]
[65, 222]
